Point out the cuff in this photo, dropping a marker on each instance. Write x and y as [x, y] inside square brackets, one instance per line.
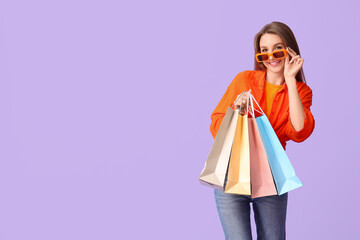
[305, 132]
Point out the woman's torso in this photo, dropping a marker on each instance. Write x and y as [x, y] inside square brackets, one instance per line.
[279, 114]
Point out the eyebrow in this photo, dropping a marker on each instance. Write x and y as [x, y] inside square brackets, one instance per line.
[274, 45]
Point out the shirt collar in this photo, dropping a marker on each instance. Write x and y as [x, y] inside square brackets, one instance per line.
[259, 80]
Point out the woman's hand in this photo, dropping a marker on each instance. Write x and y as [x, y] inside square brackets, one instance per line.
[292, 68]
[241, 102]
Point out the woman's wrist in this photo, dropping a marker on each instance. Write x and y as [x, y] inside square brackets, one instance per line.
[290, 81]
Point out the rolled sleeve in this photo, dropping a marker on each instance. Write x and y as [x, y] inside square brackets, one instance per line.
[305, 132]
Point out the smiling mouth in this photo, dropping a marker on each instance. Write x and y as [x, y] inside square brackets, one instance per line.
[274, 63]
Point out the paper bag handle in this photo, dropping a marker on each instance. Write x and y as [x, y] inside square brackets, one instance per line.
[252, 105]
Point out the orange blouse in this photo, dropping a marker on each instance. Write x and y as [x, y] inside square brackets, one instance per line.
[279, 116]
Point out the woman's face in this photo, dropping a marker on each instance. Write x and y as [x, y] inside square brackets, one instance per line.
[270, 42]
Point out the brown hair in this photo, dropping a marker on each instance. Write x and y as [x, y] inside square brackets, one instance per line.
[285, 33]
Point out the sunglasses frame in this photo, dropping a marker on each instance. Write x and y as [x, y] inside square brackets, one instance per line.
[270, 54]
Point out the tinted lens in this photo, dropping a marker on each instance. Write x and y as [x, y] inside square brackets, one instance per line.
[279, 54]
[263, 57]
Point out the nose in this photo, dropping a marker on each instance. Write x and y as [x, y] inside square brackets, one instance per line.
[271, 57]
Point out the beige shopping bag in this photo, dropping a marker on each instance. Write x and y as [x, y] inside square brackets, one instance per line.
[216, 164]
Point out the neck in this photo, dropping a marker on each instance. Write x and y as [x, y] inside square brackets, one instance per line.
[275, 78]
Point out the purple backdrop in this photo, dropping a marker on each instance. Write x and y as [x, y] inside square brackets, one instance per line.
[105, 115]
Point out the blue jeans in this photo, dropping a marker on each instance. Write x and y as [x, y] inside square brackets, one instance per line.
[269, 214]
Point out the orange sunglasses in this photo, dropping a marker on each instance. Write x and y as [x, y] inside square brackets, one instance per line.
[278, 54]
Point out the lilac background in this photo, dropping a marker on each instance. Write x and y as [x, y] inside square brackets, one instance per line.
[105, 115]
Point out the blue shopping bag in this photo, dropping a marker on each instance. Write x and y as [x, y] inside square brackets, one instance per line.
[281, 168]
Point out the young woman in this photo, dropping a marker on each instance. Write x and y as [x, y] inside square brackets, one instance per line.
[278, 84]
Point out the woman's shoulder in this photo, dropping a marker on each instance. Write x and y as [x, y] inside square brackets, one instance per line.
[248, 73]
[248, 76]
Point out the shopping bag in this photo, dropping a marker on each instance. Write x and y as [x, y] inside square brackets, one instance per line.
[216, 165]
[280, 165]
[239, 166]
[262, 182]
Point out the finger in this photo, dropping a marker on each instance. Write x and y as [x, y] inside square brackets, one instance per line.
[239, 100]
[287, 59]
[292, 51]
[295, 59]
[300, 60]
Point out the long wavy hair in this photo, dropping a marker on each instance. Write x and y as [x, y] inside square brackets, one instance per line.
[285, 33]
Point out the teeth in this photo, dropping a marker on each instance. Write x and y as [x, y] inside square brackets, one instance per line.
[274, 62]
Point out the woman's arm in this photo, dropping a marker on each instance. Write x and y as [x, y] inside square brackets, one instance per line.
[226, 101]
[218, 114]
[301, 122]
[296, 108]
